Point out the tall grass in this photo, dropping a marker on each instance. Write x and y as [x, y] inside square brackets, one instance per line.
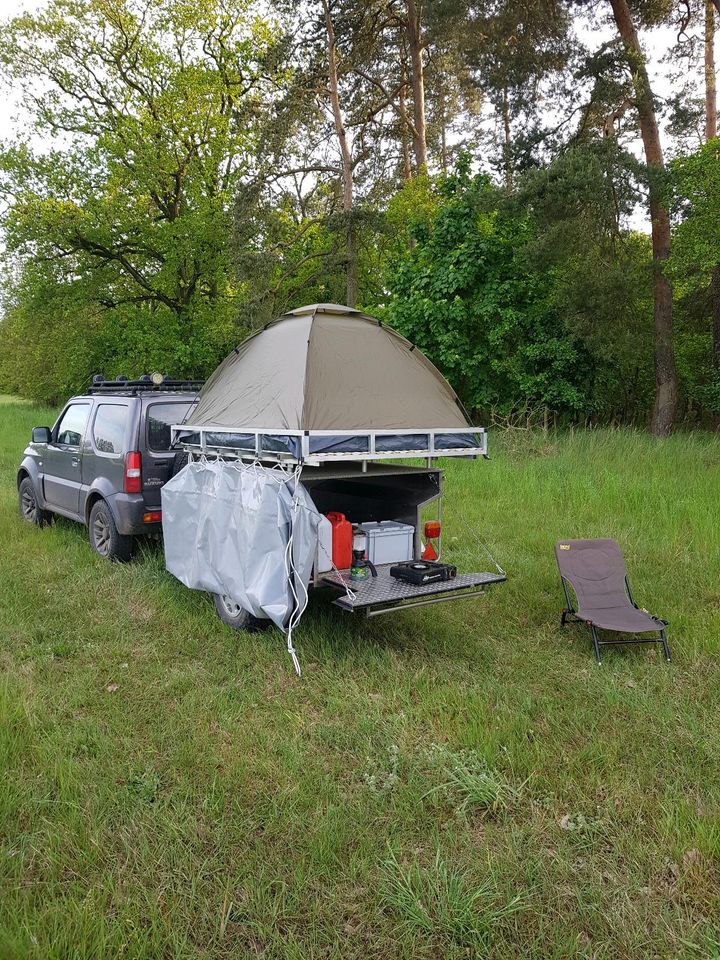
[444, 905]
[170, 790]
[469, 783]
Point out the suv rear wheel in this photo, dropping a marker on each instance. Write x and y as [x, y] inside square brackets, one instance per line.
[104, 537]
[235, 616]
[29, 508]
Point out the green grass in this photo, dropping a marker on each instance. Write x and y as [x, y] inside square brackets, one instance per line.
[456, 781]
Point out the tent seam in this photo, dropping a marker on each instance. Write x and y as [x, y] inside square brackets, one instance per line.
[302, 425]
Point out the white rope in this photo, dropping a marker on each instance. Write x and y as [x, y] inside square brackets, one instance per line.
[281, 474]
[298, 606]
[341, 581]
[483, 546]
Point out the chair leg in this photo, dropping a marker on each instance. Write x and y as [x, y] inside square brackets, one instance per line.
[563, 618]
[596, 645]
[666, 648]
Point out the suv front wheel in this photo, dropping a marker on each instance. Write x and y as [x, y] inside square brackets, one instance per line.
[29, 507]
[104, 536]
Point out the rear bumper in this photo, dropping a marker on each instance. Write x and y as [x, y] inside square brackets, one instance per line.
[128, 512]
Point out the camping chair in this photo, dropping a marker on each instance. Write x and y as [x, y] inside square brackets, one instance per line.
[595, 571]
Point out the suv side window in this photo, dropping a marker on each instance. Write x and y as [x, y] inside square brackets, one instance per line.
[71, 428]
[109, 427]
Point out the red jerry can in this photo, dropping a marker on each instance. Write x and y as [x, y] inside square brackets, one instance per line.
[341, 540]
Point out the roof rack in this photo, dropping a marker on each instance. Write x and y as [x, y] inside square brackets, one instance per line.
[143, 385]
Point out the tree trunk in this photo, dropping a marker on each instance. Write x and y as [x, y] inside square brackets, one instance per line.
[413, 29]
[346, 161]
[443, 134]
[665, 372]
[507, 143]
[710, 84]
[407, 169]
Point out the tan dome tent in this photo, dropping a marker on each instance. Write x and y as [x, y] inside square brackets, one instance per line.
[327, 380]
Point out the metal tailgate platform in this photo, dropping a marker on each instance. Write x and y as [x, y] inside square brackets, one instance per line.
[384, 594]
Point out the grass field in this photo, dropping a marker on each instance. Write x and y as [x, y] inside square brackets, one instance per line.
[457, 781]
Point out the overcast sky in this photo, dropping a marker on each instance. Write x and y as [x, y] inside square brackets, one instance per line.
[655, 42]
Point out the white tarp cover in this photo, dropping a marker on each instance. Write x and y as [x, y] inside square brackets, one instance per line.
[226, 528]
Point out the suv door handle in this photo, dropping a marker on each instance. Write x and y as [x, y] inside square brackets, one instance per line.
[75, 461]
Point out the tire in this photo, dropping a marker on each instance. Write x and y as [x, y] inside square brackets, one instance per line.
[180, 461]
[30, 510]
[104, 537]
[233, 615]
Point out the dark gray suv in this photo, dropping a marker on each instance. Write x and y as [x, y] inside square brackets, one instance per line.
[105, 460]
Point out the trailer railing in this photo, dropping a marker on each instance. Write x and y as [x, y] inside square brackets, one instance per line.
[315, 447]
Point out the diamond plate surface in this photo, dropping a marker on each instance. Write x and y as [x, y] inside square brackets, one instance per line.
[386, 589]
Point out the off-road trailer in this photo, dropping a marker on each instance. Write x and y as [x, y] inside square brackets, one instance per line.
[349, 473]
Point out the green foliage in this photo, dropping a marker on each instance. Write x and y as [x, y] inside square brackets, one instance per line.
[696, 184]
[696, 269]
[410, 213]
[286, 260]
[606, 298]
[599, 272]
[54, 337]
[467, 296]
[153, 118]
[188, 189]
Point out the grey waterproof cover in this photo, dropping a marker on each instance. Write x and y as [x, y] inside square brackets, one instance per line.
[227, 529]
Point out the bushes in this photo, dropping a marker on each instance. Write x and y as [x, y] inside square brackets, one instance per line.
[56, 335]
[468, 296]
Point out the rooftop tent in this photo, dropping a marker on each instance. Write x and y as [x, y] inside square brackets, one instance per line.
[328, 368]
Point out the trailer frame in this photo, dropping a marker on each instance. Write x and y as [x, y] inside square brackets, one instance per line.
[202, 440]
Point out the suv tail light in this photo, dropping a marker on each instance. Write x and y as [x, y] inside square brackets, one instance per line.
[133, 478]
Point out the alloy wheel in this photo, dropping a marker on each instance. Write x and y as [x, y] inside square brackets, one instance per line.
[101, 535]
[28, 503]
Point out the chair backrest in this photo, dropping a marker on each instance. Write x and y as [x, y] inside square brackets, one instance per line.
[595, 569]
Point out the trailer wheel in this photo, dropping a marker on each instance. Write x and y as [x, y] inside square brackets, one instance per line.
[235, 616]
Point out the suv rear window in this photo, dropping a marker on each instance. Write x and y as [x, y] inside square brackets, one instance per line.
[109, 427]
[160, 417]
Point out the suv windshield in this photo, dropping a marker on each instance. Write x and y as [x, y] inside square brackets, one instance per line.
[160, 417]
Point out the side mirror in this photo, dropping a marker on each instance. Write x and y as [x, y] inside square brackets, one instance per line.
[41, 435]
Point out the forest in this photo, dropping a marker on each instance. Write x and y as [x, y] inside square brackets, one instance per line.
[502, 182]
